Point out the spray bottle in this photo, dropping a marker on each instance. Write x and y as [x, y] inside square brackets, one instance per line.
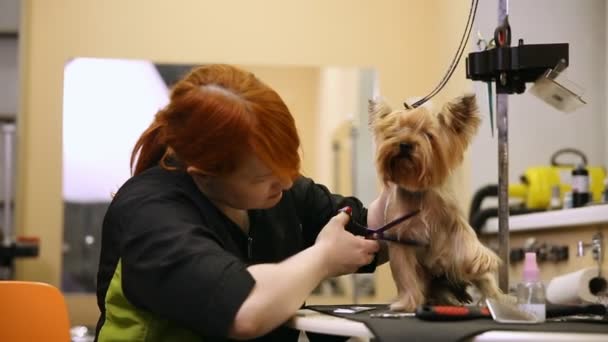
[531, 291]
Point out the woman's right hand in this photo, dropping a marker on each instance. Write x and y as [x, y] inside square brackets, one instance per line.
[271, 302]
[344, 252]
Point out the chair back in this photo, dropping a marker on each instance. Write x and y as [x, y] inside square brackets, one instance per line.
[32, 311]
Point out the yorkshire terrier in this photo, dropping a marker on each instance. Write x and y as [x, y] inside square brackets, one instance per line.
[416, 151]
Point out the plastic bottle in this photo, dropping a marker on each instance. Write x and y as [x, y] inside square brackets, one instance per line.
[531, 291]
[580, 186]
[555, 202]
[567, 200]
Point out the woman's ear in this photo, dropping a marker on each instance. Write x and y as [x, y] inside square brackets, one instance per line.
[191, 170]
[198, 176]
[194, 171]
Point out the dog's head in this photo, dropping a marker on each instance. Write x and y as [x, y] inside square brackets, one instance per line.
[417, 149]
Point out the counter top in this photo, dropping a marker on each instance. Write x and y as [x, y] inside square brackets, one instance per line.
[595, 214]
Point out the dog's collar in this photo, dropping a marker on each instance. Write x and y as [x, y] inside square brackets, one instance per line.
[416, 194]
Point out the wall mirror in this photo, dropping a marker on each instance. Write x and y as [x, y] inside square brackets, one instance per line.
[109, 102]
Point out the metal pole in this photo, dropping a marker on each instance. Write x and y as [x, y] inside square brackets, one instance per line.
[503, 191]
[502, 122]
[8, 130]
[354, 134]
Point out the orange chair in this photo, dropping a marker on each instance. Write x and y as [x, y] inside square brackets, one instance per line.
[31, 311]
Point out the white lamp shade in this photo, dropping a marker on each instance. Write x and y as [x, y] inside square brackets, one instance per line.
[107, 104]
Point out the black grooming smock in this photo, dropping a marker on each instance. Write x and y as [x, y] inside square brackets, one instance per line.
[184, 260]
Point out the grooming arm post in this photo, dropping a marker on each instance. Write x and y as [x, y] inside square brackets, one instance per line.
[511, 67]
[503, 192]
[502, 107]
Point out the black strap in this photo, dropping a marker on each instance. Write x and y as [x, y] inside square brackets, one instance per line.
[566, 151]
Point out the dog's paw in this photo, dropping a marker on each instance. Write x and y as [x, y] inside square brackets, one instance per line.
[488, 286]
[398, 306]
[406, 304]
[485, 262]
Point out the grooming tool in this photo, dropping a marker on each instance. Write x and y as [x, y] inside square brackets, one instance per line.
[503, 312]
[451, 313]
[353, 309]
[557, 310]
[481, 46]
[557, 91]
[491, 105]
[392, 314]
[378, 233]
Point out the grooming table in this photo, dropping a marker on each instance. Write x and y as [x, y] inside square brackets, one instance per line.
[362, 327]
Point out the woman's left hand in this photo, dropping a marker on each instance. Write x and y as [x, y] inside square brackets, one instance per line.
[375, 219]
[375, 211]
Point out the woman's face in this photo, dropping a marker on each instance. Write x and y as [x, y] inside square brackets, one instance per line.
[251, 186]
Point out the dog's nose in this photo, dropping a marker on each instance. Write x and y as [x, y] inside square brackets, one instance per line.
[405, 149]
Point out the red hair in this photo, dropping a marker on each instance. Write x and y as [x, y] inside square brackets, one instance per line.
[218, 114]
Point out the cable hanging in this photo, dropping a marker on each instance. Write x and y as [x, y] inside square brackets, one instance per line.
[455, 60]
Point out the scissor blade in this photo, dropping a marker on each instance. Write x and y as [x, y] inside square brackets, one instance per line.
[393, 223]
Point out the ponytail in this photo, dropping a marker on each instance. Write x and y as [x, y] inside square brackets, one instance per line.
[150, 148]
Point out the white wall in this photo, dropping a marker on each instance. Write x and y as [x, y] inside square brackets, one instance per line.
[535, 129]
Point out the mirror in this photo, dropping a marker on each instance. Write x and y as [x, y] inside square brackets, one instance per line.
[109, 102]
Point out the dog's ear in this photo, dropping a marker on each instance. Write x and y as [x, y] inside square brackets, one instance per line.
[377, 108]
[460, 114]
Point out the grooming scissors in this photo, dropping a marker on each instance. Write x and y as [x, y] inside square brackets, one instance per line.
[378, 234]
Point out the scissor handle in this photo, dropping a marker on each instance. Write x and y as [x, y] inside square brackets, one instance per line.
[379, 232]
[502, 34]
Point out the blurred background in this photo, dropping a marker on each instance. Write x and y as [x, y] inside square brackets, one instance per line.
[81, 79]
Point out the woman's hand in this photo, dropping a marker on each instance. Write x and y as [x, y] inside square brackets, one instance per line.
[375, 219]
[343, 251]
[336, 252]
[271, 302]
[375, 210]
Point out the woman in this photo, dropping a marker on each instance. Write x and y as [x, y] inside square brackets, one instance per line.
[217, 236]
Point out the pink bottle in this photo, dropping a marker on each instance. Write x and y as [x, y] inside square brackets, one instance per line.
[531, 291]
